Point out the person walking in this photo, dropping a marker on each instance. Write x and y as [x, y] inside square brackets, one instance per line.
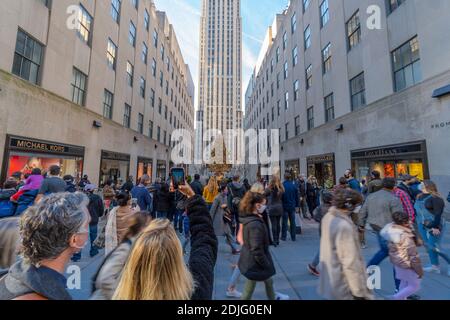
[236, 192]
[211, 191]
[196, 185]
[312, 194]
[290, 200]
[83, 182]
[70, 185]
[96, 210]
[318, 215]
[7, 207]
[432, 225]
[119, 220]
[158, 246]
[403, 254]
[275, 209]
[255, 262]
[105, 281]
[222, 218]
[377, 211]
[407, 203]
[47, 243]
[141, 193]
[405, 182]
[128, 185]
[109, 195]
[52, 184]
[301, 185]
[342, 271]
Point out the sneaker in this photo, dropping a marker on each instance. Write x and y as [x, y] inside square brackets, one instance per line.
[433, 269]
[313, 271]
[280, 296]
[234, 294]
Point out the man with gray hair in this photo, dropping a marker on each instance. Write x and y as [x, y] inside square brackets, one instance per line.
[51, 232]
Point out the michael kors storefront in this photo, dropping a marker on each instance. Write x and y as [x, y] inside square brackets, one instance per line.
[25, 154]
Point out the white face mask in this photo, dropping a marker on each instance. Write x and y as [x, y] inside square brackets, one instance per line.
[261, 209]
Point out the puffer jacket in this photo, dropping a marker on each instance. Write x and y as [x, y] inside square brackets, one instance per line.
[402, 247]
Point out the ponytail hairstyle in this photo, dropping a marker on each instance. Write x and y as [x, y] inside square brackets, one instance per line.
[248, 203]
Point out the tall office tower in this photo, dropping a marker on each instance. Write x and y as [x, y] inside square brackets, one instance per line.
[220, 71]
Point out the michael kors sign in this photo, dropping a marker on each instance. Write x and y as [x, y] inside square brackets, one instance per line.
[30, 145]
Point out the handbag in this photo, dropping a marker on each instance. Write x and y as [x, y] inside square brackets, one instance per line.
[99, 242]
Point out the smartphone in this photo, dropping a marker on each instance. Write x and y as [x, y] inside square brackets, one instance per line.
[178, 177]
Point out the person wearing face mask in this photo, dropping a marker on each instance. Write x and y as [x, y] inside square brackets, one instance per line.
[342, 269]
[255, 262]
[51, 232]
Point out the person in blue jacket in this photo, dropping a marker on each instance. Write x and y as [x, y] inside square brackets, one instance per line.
[351, 180]
[290, 203]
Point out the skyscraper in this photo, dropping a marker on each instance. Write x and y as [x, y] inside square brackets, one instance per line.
[220, 86]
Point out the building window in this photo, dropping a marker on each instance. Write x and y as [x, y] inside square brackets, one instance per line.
[165, 137]
[84, 25]
[406, 63]
[142, 87]
[296, 89]
[160, 106]
[306, 4]
[286, 100]
[353, 31]
[144, 53]
[135, 3]
[108, 99]
[278, 80]
[358, 92]
[154, 68]
[27, 58]
[294, 56]
[294, 23]
[141, 123]
[130, 73]
[162, 52]
[158, 134]
[155, 38]
[273, 114]
[127, 116]
[309, 77]
[326, 59]
[161, 79]
[146, 20]
[307, 35]
[286, 131]
[278, 54]
[324, 13]
[278, 108]
[150, 129]
[132, 34]
[272, 64]
[394, 4]
[115, 10]
[286, 71]
[79, 80]
[152, 98]
[310, 114]
[285, 41]
[111, 54]
[329, 107]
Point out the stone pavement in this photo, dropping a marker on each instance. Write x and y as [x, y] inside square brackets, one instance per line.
[292, 278]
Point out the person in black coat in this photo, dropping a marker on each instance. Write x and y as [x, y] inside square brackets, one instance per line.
[255, 262]
[163, 201]
[197, 186]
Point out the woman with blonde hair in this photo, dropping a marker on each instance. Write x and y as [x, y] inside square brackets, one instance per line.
[9, 243]
[312, 194]
[211, 191]
[156, 270]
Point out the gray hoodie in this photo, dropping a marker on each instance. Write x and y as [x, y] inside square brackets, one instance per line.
[23, 279]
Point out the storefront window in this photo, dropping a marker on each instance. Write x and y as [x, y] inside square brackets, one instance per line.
[292, 167]
[323, 168]
[145, 166]
[161, 170]
[115, 167]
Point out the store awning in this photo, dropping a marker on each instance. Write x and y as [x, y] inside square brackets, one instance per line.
[441, 92]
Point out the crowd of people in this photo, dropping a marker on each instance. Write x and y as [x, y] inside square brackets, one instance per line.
[146, 228]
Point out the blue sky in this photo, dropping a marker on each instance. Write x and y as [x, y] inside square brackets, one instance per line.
[257, 15]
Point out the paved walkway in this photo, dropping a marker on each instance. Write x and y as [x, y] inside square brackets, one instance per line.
[292, 278]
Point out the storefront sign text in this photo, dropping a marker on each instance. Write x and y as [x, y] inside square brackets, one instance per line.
[440, 125]
[37, 146]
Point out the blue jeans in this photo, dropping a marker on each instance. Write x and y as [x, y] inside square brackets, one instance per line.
[161, 214]
[382, 254]
[433, 244]
[178, 220]
[288, 214]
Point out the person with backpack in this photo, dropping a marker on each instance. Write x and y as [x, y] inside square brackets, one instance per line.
[70, 186]
[140, 192]
[431, 224]
[236, 191]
